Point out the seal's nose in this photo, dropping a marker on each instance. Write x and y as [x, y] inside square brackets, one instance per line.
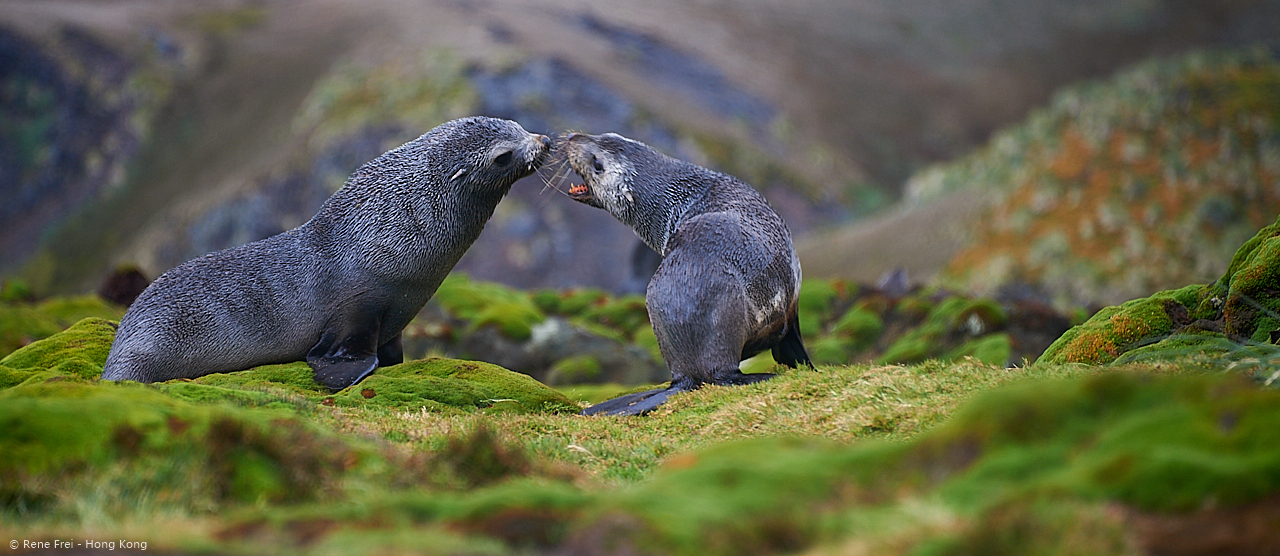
[546, 141]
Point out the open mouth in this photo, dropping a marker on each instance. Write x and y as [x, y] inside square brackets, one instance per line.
[581, 193]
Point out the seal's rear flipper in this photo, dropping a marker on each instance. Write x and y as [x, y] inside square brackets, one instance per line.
[790, 351]
[638, 403]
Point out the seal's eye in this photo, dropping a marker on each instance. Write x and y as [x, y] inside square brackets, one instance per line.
[595, 163]
[503, 159]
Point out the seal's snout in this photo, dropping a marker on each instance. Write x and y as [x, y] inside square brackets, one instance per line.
[546, 142]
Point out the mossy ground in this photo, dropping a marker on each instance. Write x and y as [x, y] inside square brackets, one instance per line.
[438, 456]
[1235, 320]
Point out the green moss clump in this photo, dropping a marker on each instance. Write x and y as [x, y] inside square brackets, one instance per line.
[70, 310]
[815, 305]
[626, 314]
[992, 349]
[78, 352]
[574, 370]
[861, 326]
[1233, 317]
[513, 312]
[22, 323]
[1254, 295]
[956, 320]
[461, 384]
[576, 301]
[514, 319]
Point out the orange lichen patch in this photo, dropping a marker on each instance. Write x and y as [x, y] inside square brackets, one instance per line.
[1074, 156]
[1108, 339]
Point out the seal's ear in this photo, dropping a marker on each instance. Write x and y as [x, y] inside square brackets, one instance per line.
[461, 172]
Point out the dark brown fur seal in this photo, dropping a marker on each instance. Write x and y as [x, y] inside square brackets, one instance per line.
[729, 280]
[338, 289]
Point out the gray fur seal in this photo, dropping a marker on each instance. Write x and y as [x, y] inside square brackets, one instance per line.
[728, 284]
[337, 290]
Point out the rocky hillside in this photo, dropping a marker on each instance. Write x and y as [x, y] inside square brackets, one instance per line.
[218, 123]
[1119, 188]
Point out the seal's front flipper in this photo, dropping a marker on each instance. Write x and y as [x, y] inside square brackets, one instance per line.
[345, 354]
[391, 353]
[340, 372]
[790, 351]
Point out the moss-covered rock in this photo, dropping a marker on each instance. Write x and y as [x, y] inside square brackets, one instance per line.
[455, 383]
[947, 328]
[1233, 318]
[22, 323]
[78, 352]
[511, 311]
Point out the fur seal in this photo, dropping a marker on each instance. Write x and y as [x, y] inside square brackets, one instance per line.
[728, 283]
[337, 290]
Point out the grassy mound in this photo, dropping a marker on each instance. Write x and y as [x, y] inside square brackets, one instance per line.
[1235, 318]
[1078, 467]
[80, 352]
[22, 323]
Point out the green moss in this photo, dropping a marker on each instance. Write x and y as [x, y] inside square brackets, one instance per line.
[547, 300]
[1245, 302]
[55, 432]
[70, 310]
[1255, 285]
[574, 370]
[78, 352]
[294, 377]
[830, 350]
[909, 348]
[576, 301]
[954, 317]
[21, 324]
[993, 349]
[513, 312]
[496, 383]
[860, 325]
[626, 314]
[432, 393]
[815, 305]
[514, 319]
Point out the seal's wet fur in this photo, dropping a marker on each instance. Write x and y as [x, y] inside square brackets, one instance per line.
[729, 281]
[337, 290]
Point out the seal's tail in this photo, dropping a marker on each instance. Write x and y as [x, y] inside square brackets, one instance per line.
[790, 351]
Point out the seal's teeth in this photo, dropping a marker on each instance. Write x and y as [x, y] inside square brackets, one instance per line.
[579, 189]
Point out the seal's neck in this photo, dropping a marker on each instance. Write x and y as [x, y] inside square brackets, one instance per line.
[673, 199]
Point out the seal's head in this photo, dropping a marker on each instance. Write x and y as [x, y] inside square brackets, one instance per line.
[607, 164]
[487, 153]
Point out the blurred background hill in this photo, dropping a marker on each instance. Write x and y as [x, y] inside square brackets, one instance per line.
[146, 133]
